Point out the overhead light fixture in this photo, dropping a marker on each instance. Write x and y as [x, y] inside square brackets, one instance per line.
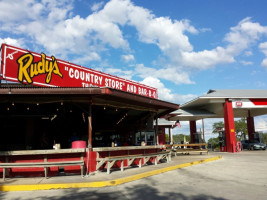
[37, 104]
[104, 107]
[13, 104]
[116, 109]
[54, 117]
[83, 117]
[7, 108]
[28, 108]
[123, 117]
[62, 103]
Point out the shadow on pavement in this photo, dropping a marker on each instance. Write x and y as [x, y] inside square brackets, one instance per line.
[140, 192]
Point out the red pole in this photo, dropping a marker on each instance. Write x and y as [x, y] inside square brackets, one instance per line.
[250, 126]
[193, 129]
[229, 124]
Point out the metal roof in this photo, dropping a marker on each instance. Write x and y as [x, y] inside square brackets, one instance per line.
[164, 122]
[187, 115]
[220, 95]
[98, 96]
[236, 94]
[210, 105]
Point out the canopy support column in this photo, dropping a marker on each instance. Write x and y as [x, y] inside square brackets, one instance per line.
[250, 126]
[193, 129]
[229, 124]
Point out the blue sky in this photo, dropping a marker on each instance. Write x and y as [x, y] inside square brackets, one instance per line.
[182, 47]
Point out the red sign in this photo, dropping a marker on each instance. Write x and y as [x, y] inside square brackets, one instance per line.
[28, 67]
[238, 103]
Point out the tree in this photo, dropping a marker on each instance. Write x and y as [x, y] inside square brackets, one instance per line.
[264, 138]
[214, 142]
[240, 127]
[217, 126]
[166, 138]
[180, 137]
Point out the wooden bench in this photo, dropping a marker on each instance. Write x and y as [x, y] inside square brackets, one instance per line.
[188, 148]
[45, 164]
[112, 160]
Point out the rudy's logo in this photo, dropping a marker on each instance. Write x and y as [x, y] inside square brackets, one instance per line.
[29, 69]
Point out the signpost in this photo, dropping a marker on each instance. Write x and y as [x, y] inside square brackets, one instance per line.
[26, 67]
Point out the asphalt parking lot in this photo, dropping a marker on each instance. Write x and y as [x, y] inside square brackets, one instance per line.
[236, 176]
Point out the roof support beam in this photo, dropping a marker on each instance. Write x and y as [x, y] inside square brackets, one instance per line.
[229, 127]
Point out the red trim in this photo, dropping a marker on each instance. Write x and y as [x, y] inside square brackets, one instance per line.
[259, 102]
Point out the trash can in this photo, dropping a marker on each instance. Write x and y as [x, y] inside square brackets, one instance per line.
[78, 144]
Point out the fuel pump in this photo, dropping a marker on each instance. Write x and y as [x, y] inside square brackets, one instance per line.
[222, 141]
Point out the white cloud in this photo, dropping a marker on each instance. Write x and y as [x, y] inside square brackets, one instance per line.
[248, 53]
[205, 30]
[12, 11]
[261, 123]
[12, 41]
[206, 59]
[263, 48]
[97, 6]
[170, 74]
[264, 62]
[165, 93]
[127, 58]
[127, 74]
[239, 39]
[93, 56]
[243, 62]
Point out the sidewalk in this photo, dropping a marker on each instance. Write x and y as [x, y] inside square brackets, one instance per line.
[102, 179]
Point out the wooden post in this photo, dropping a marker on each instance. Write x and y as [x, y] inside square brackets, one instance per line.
[203, 131]
[90, 128]
[156, 131]
[170, 136]
[89, 136]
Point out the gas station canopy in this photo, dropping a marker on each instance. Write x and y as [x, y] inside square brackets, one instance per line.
[210, 105]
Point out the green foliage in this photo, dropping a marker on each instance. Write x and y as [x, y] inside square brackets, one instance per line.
[214, 142]
[240, 127]
[180, 137]
[217, 126]
[167, 137]
[264, 138]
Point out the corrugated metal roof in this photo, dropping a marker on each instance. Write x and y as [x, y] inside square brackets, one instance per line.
[236, 94]
[188, 114]
[164, 122]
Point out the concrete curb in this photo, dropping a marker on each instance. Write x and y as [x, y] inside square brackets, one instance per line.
[6, 188]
